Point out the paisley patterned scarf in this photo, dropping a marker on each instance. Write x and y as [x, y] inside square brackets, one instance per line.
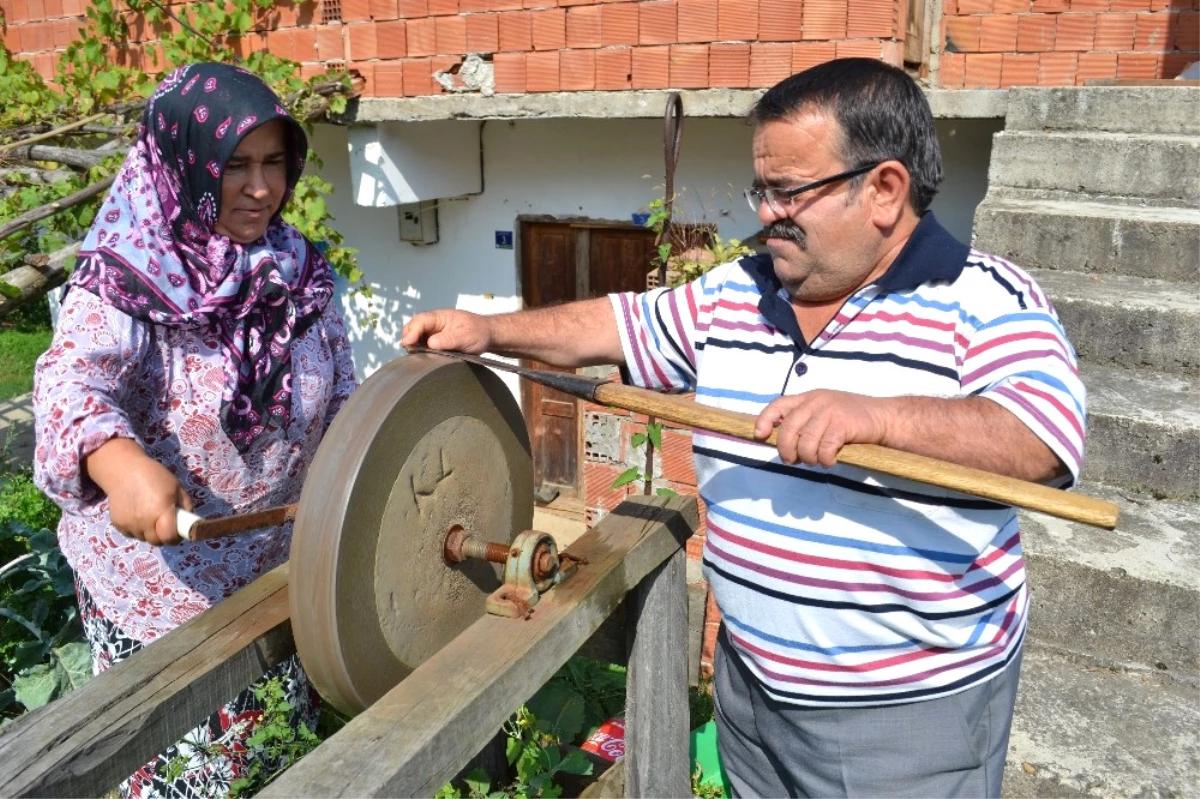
[153, 253]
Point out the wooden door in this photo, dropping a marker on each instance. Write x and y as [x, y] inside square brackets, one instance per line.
[561, 262]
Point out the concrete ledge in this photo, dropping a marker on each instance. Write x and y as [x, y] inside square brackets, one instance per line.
[650, 104]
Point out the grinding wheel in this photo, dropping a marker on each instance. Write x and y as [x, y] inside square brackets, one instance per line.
[425, 445]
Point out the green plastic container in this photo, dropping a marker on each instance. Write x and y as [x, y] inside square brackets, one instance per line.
[705, 756]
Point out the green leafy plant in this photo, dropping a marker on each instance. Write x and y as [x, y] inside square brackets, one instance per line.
[652, 437]
[42, 655]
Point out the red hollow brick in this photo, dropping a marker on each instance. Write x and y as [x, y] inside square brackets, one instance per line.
[391, 38]
[583, 27]
[450, 33]
[824, 19]
[1114, 33]
[389, 80]
[737, 20]
[962, 34]
[781, 20]
[1138, 66]
[871, 19]
[689, 66]
[657, 22]
[1160, 5]
[12, 38]
[1011, 6]
[951, 71]
[16, 12]
[619, 24]
[1096, 66]
[445, 64]
[483, 33]
[305, 44]
[614, 69]
[770, 62]
[729, 66]
[330, 46]
[1175, 63]
[651, 67]
[1187, 33]
[983, 71]
[356, 10]
[1049, 6]
[997, 34]
[858, 49]
[413, 9]
[549, 29]
[1057, 69]
[1035, 33]
[418, 77]
[362, 42]
[516, 31]
[1153, 31]
[439, 8]
[697, 20]
[384, 9]
[510, 73]
[421, 35]
[976, 6]
[1129, 5]
[577, 70]
[1018, 70]
[281, 43]
[809, 54]
[542, 72]
[1075, 32]
[538, 4]
[1090, 5]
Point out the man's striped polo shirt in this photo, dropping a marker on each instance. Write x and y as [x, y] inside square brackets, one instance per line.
[840, 587]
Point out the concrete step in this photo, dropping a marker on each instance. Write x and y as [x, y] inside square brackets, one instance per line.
[1143, 431]
[1158, 166]
[1092, 237]
[1082, 730]
[1116, 109]
[1128, 321]
[1128, 596]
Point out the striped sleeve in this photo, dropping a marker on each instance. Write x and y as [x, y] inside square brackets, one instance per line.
[1023, 361]
[662, 330]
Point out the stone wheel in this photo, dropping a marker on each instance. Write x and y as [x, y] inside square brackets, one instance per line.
[425, 445]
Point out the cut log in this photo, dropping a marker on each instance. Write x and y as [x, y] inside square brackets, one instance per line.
[33, 281]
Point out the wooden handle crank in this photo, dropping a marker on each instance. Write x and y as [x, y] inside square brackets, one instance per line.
[1008, 490]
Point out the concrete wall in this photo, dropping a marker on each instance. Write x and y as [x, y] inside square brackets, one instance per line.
[596, 169]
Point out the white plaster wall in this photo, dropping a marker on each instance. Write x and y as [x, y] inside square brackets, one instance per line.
[600, 169]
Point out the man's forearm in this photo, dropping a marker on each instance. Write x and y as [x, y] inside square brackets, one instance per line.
[580, 333]
[974, 432]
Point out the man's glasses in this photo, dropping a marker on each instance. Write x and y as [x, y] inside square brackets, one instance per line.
[778, 200]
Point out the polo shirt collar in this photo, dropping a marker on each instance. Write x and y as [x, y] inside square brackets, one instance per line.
[931, 253]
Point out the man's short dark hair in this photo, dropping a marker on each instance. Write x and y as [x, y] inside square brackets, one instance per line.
[882, 112]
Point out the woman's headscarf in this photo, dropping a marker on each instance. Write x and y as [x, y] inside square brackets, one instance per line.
[153, 253]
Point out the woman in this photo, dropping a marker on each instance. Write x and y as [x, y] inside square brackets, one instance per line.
[197, 361]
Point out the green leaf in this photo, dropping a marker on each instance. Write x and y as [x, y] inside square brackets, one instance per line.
[512, 749]
[9, 290]
[478, 781]
[576, 763]
[654, 431]
[38, 686]
[559, 711]
[626, 477]
[666, 492]
[637, 439]
[76, 660]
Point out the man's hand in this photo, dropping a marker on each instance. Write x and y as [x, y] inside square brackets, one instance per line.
[449, 330]
[814, 426]
[142, 493]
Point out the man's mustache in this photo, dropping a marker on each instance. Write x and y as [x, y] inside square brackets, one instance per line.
[784, 230]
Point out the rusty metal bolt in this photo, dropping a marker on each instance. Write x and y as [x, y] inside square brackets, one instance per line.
[461, 545]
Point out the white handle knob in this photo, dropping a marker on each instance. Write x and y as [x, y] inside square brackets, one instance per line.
[184, 519]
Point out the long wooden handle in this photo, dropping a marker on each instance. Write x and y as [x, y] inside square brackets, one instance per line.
[193, 528]
[1008, 490]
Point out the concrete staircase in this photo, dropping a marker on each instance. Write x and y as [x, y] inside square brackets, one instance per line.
[1097, 192]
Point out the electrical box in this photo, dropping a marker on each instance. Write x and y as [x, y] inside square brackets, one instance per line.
[419, 222]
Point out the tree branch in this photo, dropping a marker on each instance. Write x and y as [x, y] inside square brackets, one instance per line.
[31, 282]
[52, 133]
[81, 159]
[50, 209]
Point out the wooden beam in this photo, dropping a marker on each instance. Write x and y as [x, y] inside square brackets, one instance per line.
[656, 694]
[416, 737]
[87, 742]
[34, 281]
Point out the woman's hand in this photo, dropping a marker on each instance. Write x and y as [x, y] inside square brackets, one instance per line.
[142, 493]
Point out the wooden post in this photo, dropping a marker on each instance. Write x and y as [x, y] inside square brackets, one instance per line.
[87, 742]
[656, 703]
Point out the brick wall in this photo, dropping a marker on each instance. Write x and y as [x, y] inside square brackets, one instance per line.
[1002, 43]
[534, 45]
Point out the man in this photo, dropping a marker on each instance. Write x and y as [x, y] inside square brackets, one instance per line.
[872, 626]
